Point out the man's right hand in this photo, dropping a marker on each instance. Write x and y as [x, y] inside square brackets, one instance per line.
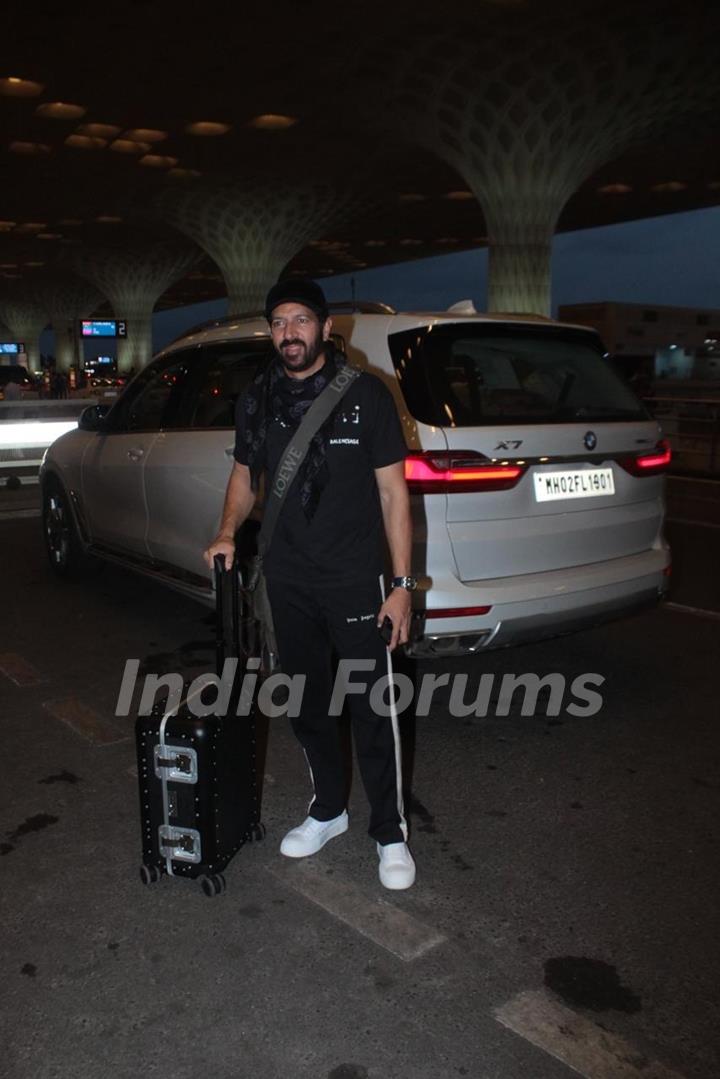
[223, 546]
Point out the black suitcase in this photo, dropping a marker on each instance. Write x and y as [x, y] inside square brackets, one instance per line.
[199, 788]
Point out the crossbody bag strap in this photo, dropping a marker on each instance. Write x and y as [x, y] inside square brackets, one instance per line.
[297, 448]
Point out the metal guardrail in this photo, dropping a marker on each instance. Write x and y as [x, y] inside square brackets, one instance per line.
[44, 409]
[692, 426]
[27, 428]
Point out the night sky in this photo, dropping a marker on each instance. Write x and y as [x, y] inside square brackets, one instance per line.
[672, 259]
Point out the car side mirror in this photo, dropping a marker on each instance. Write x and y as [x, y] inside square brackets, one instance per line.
[92, 418]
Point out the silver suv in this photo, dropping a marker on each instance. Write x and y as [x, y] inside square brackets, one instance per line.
[536, 474]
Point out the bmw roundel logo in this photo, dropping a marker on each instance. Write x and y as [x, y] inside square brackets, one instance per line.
[590, 440]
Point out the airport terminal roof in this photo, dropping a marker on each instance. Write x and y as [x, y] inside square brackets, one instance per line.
[107, 110]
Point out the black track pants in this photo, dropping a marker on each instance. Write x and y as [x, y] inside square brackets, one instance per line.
[311, 623]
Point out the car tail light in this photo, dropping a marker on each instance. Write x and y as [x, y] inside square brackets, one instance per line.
[648, 464]
[455, 612]
[435, 472]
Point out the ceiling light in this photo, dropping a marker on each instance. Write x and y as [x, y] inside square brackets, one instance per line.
[29, 149]
[108, 219]
[8, 265]
[184, 174]
[86, 142]
[34, 264]
[459, 196]
[272, 121]
[145, 134]
[408, 242]
[60, 110]
[127, 146]
[14, 87]
[669, 186]
[7, 226]
[614, 189]
[100, 131]
[207, 127]
[412, 196]
[70, 222]
[48, 236]
[32, 226]
[156, 161]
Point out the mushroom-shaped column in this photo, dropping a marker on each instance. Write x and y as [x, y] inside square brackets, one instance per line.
[527, 106]
[134, 279]
[66, 300]
[26, 320]
[253, 229]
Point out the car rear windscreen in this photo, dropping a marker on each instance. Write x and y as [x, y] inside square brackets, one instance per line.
[470, 375]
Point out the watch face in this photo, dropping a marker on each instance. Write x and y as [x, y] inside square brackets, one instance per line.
[409, 583]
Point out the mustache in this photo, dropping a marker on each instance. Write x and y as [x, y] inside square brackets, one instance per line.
[291, 341]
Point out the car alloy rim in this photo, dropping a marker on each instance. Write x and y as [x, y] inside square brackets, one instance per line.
[57, 530]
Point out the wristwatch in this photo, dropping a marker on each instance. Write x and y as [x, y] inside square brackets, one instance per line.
[409, 583]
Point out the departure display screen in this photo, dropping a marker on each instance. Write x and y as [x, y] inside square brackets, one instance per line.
[108, 327]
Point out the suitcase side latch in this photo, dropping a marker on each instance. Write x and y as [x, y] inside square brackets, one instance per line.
[180, 844]
[176, 763]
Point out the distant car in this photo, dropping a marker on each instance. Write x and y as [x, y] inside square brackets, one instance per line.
[107, 380]
[18, 374]
[535, 473]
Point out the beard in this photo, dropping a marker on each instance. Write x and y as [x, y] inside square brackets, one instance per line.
[306, 355]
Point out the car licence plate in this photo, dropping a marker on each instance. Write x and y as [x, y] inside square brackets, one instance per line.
[585, 483]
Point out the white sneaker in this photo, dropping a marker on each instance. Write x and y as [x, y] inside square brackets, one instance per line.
[397, 868]
[310, 836]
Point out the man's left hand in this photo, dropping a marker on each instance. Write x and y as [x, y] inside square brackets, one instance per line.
[397, 607]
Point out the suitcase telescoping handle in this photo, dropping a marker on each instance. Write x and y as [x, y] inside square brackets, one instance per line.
[227, 624]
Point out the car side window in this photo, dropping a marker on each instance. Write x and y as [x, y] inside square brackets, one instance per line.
[154, 398]
[228, 368]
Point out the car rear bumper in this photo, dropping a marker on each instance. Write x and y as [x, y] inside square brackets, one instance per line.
[540, 605]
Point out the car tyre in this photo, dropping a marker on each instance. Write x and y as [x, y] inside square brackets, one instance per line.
[65, 551]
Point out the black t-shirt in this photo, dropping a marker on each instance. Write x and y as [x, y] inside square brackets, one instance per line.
[343, 541]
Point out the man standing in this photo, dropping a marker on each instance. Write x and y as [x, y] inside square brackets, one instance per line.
[324, 565]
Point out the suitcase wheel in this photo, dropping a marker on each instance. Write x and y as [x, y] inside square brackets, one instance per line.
[213, 885]
[150, 874]
[257, 832]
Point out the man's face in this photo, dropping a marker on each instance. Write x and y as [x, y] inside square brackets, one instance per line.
[298, 336]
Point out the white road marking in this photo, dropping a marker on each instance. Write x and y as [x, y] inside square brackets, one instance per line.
[85, 721]
[18, 670]
[681, 608]
[578, 1042]
[374, 917]
[694, 524]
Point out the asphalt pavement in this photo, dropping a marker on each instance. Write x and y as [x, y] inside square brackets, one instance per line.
[565, 915]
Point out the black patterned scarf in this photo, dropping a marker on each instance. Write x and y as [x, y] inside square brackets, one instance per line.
[273, 397]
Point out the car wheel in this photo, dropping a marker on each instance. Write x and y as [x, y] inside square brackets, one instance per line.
[64, 549]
